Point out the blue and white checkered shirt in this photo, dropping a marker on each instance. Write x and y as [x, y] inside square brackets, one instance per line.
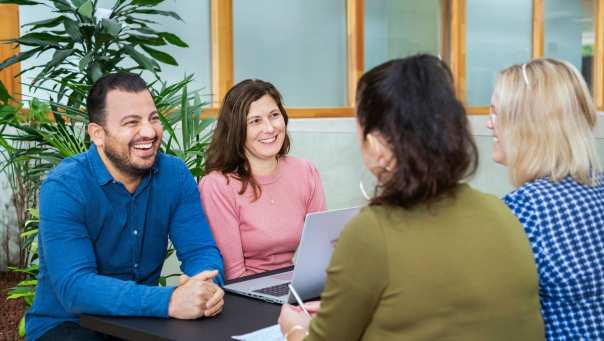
[565, 225]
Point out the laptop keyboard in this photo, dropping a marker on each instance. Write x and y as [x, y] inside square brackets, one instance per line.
[275, 290]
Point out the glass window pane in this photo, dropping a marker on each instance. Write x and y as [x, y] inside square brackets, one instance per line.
[298, 45]
[498, 35]
[194, 30]
[569, 33]
[399, 28]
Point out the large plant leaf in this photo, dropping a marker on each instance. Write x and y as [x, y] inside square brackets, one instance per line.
[136, 39]
[46, 37]
[36, 43]
[167, 125]
[142, 22]
[4, 96]
[173, 39]
[95, 72]
[22, 326]
[18, 57]
[20, 2]
[62, 5]
[139, 58]
[160, 55]
[83, 64]
[147, 2]
[143, 29]
[59, 56]
[111, 27]
[29, 233]
[48, 23]
[32, 270]
[73, 29]
[27, 283]
[103, 38]
[86, 9]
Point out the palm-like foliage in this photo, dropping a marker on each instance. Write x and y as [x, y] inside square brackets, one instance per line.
[186, 135]
[26, 289]
[87, 42]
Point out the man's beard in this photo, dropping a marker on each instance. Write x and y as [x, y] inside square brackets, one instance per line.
[123, 163]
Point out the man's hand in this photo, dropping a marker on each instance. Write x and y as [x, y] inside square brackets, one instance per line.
[196, 296]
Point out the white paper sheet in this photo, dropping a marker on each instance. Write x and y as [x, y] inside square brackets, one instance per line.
[271, 333]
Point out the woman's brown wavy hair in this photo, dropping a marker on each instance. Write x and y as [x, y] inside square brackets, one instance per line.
[411, 103]
[226, 152]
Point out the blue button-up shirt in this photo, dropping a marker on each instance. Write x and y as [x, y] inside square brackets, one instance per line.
[102, 248]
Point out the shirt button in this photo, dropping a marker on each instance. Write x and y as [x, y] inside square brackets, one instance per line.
[135, 232]
[136, 265]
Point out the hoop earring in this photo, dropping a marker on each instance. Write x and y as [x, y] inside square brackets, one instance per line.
[367, 177]
[363, 191]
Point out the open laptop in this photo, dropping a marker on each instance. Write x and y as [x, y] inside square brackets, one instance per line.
[321, 230]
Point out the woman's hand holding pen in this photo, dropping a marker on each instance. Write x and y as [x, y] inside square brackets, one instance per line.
[293, 320]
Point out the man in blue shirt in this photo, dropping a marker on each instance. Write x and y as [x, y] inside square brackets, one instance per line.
[105, 219]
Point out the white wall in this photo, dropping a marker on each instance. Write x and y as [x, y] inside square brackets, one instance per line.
[340, 164]
[331, 145]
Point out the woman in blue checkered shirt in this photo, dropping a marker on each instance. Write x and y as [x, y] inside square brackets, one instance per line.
[542, 118]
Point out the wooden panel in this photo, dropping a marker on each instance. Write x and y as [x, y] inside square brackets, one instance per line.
[538, 31]
[222, 48]
[445, 31]
[598, 59]
[300, 112]
[9, 28]
[477, 110]
[332, 112]
[458, 46]
[355, 17]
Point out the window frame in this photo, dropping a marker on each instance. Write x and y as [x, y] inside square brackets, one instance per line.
[458, 13]
[453, 50]
[9, 29]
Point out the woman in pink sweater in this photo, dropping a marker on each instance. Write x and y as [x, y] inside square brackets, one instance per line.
[255, 196]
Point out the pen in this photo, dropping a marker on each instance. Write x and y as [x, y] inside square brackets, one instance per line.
[300, 303]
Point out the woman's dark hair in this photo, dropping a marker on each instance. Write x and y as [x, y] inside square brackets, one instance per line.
[226, 152]
[411, 103]
[97, 96]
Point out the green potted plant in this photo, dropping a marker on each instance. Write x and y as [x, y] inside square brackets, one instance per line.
[87, 42]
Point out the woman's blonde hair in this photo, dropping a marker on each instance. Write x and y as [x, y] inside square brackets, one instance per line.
[545, 118]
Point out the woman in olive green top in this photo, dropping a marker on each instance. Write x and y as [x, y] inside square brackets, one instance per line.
[430, 258]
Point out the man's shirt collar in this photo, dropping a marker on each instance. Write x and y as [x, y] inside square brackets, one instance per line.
[101, 174]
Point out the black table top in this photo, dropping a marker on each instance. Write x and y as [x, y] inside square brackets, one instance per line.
[240, 315]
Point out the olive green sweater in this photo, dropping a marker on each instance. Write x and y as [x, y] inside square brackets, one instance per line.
[461, 269]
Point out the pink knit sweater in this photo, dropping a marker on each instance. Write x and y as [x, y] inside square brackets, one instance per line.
[261, 235]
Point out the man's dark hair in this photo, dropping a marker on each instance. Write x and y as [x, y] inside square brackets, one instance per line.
[124, 81]
[411, 103]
